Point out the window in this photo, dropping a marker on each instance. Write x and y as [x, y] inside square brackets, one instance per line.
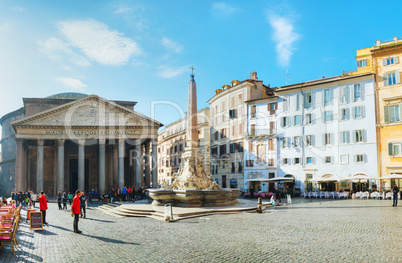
[328, 159]
[234, 147]
[240, 169]
[358, 136]
[327, 97]
[308, 100]
[390, 61]
[297, 102]
[309, 160]
[394, 149]
[286, 142]
[181, 147]
[357, 92]
[234, 130]
[240, 146]
[297, 160]
[233, 183]
[285, 103]
[392, 113]
[223, 133]
[285, 122]
[253, 110]
[359, 158]
[286, 161]
[358, 112]
[362, 63]
[391, 78]
[296, 141]
[327, 116]
[344, 159]
[345, 114]
[270, 144]
[344, 94]
[249, 163]
[297, 120]
[252, 129]
[309, 140]
[222, 149]
[240, 128]
[223, 181]
[250, 146]
[309, 119]
[272, 107]
[233, 168]
[345, 137]
[327, 138]
[271, 162]
[232, 114]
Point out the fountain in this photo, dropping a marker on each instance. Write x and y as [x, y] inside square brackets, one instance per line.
[192, 185]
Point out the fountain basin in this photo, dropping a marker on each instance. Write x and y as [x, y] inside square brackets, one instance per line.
[195, 198]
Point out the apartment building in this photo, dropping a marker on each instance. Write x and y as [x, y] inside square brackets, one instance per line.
[260, 151]
[326, 132]
[172, 141]
[228, 116]
[383, 60]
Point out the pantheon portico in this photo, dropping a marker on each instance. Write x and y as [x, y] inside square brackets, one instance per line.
[64, 144]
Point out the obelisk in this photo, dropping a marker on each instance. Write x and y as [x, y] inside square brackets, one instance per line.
[192, 120]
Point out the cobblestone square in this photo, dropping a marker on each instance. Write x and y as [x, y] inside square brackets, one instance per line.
[305, 231]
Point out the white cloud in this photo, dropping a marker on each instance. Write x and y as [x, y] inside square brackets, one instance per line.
[284, 36]
[98, 42]
[123, 10]
[171, 45]
[17, 9]
[169, 72]
[56, 49]
[74, 84]
[223, 8]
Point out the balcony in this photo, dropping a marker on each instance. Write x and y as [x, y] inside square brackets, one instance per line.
[262, 132]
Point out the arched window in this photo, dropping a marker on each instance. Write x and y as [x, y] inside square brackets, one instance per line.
[233, 183]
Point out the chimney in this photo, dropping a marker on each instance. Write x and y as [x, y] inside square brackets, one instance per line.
[253, 75]
[395, 40]
[377, 43]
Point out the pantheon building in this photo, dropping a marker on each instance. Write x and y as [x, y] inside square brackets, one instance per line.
[75, 141]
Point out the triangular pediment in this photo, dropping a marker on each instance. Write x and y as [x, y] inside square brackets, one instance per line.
[91, 111]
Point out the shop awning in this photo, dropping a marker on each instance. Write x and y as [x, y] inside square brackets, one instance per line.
[392, 176]
[272, 180]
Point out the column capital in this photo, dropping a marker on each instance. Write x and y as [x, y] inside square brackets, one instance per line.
[102, 141]
[81, 142]
[122, 142]
[40, 142]
[61, 142]
[154, 141]
[19, 140]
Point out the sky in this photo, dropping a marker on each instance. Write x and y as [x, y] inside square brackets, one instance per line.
[143, 50]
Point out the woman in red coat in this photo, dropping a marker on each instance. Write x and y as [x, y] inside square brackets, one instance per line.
[43, 205]
[76, 210]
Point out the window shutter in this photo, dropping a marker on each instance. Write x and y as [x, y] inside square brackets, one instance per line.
[355, 158]
[313, 100]
[313, 159]
[364, 133]
[341, 93]
[396, 59]
[347, 89]
[386, 113]
[384, 61]
[354, 112]
[348, 136]
[390, 149]
[363, 111]
[365, 158]
[332, 138]
[354, 136]
[331, 96]
[312, 140]
[347, 113]
[397, 77]
[362, 91]
[400, 111]
[289, 121]
[341, 137]
[385, 78]
[312, 118]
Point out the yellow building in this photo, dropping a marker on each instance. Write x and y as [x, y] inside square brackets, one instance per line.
[384, 60]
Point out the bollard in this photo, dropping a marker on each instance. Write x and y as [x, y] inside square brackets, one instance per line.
[289, 198]
[259, 206]
[168, 212]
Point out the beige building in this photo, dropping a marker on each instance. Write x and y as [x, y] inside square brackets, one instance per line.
[384, 61]
[172, 141]
[228, 113]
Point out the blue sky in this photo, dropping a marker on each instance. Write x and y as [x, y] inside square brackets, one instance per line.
[142, 50]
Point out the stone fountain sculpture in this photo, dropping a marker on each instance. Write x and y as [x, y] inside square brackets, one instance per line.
[192, 185]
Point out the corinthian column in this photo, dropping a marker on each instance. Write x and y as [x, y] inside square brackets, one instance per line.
[121, 163]
[19, 166]
[154, 164]
[102, 176]
[60, 166]
[39, 166]
[81, 165]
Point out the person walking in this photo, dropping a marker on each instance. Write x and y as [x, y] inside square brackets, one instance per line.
[76, 211]
[59, 200]
[64, 201]
[111, 195]
[43, 206]
[83, 198]
[70, 197]
[34, 198]
[395, 191]
[124, 192]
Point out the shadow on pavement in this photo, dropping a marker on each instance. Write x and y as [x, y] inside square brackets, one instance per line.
[98, 220]
[110, 240]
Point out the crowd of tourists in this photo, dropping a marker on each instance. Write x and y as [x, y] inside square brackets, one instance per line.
[128, 194]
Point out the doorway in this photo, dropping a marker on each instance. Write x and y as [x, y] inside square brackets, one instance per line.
[73, 175]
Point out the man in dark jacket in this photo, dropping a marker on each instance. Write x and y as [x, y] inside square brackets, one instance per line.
[395, 192]
[83, 198]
